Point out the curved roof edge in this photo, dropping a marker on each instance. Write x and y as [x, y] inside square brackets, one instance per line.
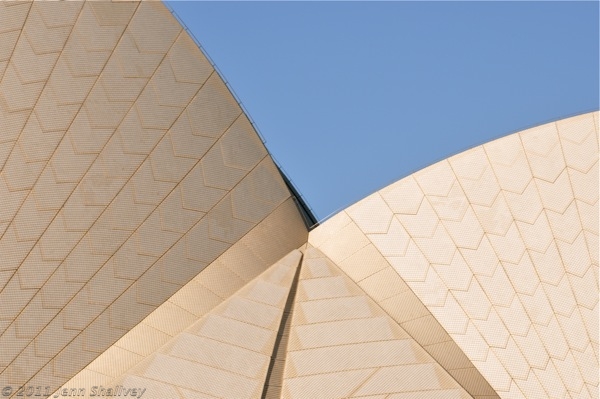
[305, 209]
[470, 147]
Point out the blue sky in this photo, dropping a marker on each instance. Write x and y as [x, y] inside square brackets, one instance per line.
[352, 96]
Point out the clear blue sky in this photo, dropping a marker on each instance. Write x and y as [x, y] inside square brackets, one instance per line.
[352, 96]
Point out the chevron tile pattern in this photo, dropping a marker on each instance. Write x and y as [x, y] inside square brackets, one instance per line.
[126, 166]
[225, 353]
[500, 244]
[140, 213]
[343, 345]
[238, 266]
[368, 268]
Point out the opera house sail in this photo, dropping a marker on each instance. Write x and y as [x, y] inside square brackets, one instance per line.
[150, 247]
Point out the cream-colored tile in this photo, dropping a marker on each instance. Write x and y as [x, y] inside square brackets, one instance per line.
[14, 298]
[33, 273]
[515, 318]
[421, 224]
[561, 297]
[495, 219]
[143, 339]
[589, 374]
[325, 386]
[154, 389]
[451, 316]
[114, 362]
[536, 236]
[498, 287]
[13, 16]
[574, 331]
[575, 256]
[393, 242]
[150, 243]
[383, 284]
[219, 279]
[569, 372]
[543, 151]
[482, 191]
[589, 216]
[593, 244]
[213, 110]
[336, 309]
[318, 267]
[452, 206]
[432, 291]
[235, 332]
[267, 293]
[436, 179]
[184, 143]
[585, 184]
[371, 215]
[530, 387]
[553, 339]
[548, 265]
[466, 233]
[192, 375]
[86, 378]
[196, 194]
[195, 298]
[495, 373]
[218, 355]
[578, 141]
[352, 357]
[439, 248]
[189, 64]
[522, 275]
[347, 241]
[170, 319]
[533, 349]
[23, 96]
[526, 206]
[482, 260]
[252, 312]
[472, 343]
[404, 196]
[512, 359]
[576, 128]
[508, 160]
[510, 247]
[328, 229]
[470, 164]
[565, 226]
[363, 263]
[153, 16]
[551, 381]
[405, 378]
[493, 330]
[404, 307]
[474, 301]
[413, 266]
[585, 289]
[326, 287]
[556, 195]
[457, 275]
[343, 332]
[242, 135]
